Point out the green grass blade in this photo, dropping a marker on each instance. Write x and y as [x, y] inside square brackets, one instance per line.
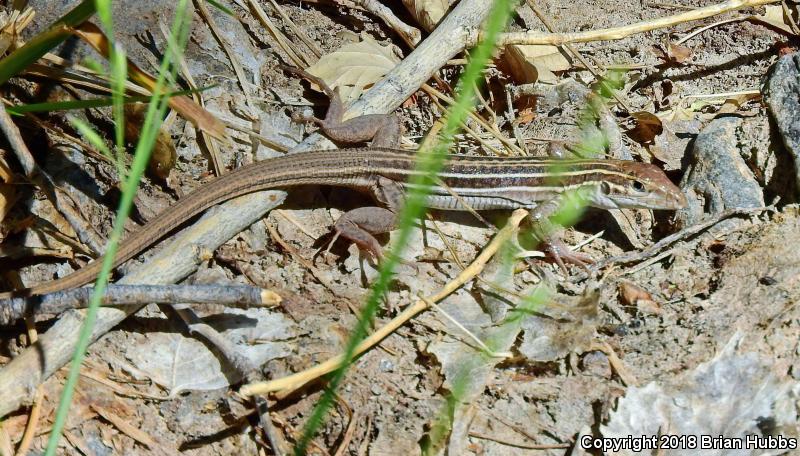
[88, 104]
[155, 113]
[42, 43]
[429, 161]
[221, 7]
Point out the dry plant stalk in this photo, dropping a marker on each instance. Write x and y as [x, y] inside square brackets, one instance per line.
[289, 384]
[617, 33]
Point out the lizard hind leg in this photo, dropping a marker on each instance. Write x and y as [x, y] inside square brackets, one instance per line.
[361, 224]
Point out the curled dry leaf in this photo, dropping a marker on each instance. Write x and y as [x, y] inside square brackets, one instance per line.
[634, 295]
[354, 68]
[164, 156]
[734, 103]
[678, 53]
[646, 126]
[774, 16]
[428, 13]
[535, 62]
[8, 191]
[674, 53]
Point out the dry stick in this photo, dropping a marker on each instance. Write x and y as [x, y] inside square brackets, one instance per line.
[226, 48]
[283, 42]
[82, 228]
[84, 147]
[617, 33]
[467, 130]
[33, 421]
[80, 75]
[409, 34]
[5, 442]
[512, 118]
[229, 352]
[675, 237]
[207, 139]
[297, 30]
[526, 446]
[485, 124]
[574, 51]
[240, 296]
[179, 258]
[287, 385]
[709, 26]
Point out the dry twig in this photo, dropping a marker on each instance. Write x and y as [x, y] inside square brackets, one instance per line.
[291, 383]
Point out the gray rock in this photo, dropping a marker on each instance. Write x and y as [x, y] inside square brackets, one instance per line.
[718, 178]
[782, 92]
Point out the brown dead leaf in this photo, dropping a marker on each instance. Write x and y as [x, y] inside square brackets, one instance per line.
[164, 156]
[645, 128]
[526, 116]
[734, 103]
[774, 16]
[428, 13]
[355, 67]
[634, 295]
[535, 62]
[184, 105]
[678, 53]
[8, 191]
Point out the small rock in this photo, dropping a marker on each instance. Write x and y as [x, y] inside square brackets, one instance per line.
[718, 177]
[386, 365]
[782, 92]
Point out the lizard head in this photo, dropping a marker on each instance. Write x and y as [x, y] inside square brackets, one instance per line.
[637, 185]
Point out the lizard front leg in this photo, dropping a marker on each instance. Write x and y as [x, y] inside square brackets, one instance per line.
[383, 130]
[547, 233]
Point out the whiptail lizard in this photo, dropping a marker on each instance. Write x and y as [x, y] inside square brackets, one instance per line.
[483, 183]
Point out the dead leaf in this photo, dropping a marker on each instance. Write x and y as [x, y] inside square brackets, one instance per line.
[185, 106]
[672, 53]
[535, 62]
[678, 53]
[354, 68]
[526, 116]
[428, 13]
[671, 146]
[774, 16]
[646, 127]
[634, 295]
[164, 156]
[8, 191]
[179, 363]
[732, 104]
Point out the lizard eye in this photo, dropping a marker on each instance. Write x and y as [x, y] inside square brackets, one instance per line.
[637, 186]
[605, 188]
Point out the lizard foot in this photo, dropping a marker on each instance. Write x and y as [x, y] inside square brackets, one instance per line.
[559, 252]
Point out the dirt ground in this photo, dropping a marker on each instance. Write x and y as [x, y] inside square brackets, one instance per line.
[709, 345]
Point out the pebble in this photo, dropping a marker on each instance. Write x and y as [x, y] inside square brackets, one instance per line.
[717, 177]
[782, 93]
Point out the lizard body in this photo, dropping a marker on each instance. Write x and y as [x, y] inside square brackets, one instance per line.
[482, 182]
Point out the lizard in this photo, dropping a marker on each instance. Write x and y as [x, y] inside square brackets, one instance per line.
[484, 183]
